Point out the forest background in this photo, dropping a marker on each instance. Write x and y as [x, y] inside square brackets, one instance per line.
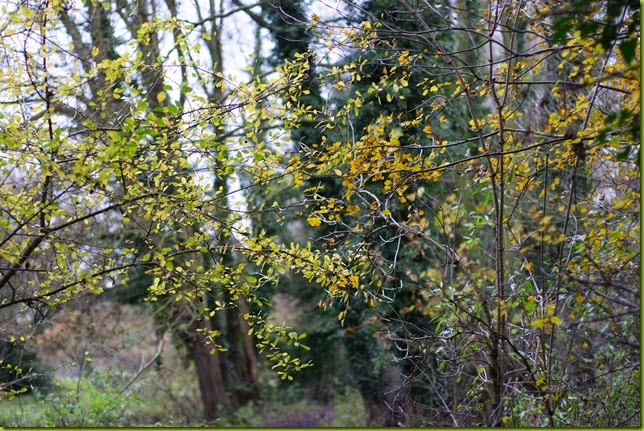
[378, 212]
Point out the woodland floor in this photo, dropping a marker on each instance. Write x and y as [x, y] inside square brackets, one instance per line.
[298, 418]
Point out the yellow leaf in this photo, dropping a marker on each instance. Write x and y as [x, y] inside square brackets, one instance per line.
[555, 320]
[550, 310]
[314, 221]
[161, 96]
[538, 323]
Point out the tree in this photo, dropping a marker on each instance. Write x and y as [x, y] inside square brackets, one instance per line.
[476, 202]
[105, 151]
[508, 184]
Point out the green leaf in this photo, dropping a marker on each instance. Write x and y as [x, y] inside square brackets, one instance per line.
[627, 49]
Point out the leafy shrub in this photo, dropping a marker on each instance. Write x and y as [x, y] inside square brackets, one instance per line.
[20, 370]
[95, 401]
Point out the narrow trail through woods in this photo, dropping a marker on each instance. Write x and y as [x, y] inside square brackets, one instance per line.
[307, 418]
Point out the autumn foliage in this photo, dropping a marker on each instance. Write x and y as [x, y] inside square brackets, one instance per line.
[467, 177]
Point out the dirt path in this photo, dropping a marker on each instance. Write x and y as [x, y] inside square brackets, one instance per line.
[298, 419]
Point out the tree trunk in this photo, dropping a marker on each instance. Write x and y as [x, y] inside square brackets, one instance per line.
[241, 362]
[211, 382]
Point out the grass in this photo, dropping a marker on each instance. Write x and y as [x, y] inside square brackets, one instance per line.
[22, 411]
[69, 403]
[348, 411]
[158, 400]
[97, 401]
